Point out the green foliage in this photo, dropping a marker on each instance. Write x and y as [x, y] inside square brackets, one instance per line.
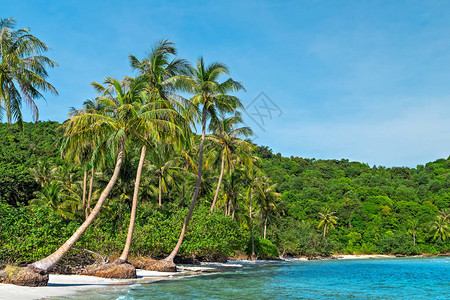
[31, 233]
[21, 151]
[264, 249]
[374, 206]
[399, 243]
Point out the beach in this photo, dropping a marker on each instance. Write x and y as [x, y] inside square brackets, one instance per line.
[66, 285]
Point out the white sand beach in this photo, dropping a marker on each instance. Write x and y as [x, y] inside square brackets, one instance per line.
[64, 285]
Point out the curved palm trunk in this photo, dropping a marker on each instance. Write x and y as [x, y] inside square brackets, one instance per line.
[160, 192]
[84, 194]
[251, 227]
[48, 262]
[218, 185]
[196, 192]
[126, 249]
[91, 184]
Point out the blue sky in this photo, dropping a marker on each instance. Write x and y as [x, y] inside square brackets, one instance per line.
[363, 80]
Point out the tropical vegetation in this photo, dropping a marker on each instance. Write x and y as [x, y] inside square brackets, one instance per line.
[114, 178]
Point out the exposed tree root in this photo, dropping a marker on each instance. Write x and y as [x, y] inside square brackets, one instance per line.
[117, 269]
[27, 276]
[155, 265]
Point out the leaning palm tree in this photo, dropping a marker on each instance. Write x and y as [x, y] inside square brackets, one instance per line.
[212, 96]
[22, 71]
[226, 145]
[327, 220]
[120, 120]
[161, 120]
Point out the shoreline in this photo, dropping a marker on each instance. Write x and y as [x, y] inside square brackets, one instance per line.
[71, 285]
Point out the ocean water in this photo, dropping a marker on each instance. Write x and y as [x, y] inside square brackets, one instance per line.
[392, 278]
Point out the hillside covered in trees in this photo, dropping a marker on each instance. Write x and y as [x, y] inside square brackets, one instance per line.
[311, 207]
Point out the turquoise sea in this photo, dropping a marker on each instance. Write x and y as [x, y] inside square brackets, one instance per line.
[392, 278]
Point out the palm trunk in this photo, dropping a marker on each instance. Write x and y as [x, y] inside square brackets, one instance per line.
[233, 204]
[48, 262]
[160, 193]
[218, 184]
[265, 225]
[250, 225]
[414, 238]
[196, 192]
[126, 249]
[324, 229]
[91, 184]
[261, 223]
[84, 195]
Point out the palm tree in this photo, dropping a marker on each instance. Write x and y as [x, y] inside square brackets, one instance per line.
[62, 201]
[268, 196]
[120, 119]
[252, 174]
[79, 154]
[227, 145]
[441, 227]
[165, 166]
[212, 96]
[159, 118]
[22, 71]
[413, 225]
[444, 214]
[187, 150]
[43, 172]
[232, 184]
[327, 220]
[91, 154]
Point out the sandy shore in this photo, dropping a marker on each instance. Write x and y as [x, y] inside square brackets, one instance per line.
[363, 256]
[63, 285]
[66, 285]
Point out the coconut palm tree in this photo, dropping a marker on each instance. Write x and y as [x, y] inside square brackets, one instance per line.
[121, 118]
[232, 184]
[43, 172]
[413, 225]
[64, 202]
[226, 145]
[23, 71]
[186, 152]
[165, 166]
[252, 175]
[267, 197]
[441, 227]
[327, 220]
[212, 97]
[160, 118]
[91, 154]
